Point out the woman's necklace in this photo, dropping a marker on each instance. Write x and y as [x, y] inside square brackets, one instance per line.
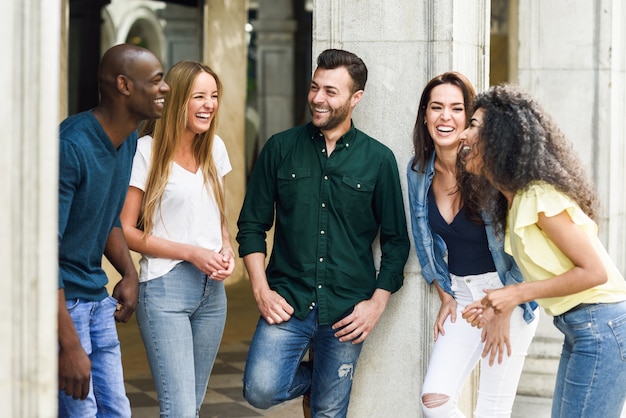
[188, 163]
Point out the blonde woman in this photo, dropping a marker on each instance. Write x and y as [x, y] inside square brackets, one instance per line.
[174, 217]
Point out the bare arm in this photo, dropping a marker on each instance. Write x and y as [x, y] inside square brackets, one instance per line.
[74, 364]
[227, 253]
[588, 270]
[207, 261]
[273, 307]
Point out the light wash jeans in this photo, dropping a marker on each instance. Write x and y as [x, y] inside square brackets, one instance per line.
[275, 372]
[95, 326]
[457, 353]
[181, 318]
[591, 381]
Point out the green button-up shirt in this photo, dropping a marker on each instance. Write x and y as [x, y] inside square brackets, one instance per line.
[328, 212]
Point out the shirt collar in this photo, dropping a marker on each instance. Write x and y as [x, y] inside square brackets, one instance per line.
[345, 141]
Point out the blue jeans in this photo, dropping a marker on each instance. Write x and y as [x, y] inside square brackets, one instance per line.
[181, 318]
[96, 330]
[275, 373]
[591, 380]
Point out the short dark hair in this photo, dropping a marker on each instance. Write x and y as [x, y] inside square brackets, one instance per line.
[335, 58]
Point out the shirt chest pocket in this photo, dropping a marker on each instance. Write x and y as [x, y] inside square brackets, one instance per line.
[357, 195]
[294, 186]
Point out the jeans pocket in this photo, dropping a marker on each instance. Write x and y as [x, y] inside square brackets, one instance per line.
[493, 281]
[109, 305]
[618, 327]
[577, 320]
[71, 304]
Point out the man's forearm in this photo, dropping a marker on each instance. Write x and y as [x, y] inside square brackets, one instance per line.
[117, 252]
[68, 337]
[255, 265]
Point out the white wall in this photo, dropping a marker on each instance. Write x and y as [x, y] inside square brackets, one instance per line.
[29, 79]
[572, 57]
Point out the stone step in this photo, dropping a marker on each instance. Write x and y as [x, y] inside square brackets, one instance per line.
[538, 377]
[536, 387]
[545, 347]
[542, 362]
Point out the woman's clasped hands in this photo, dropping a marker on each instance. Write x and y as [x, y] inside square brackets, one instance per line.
[492, 314]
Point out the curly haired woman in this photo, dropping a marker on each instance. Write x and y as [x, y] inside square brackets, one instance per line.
[548, 207]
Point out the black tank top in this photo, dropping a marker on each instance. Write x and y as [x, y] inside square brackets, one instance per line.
[468, 249]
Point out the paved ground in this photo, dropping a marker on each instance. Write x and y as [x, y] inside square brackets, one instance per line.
[224, 398]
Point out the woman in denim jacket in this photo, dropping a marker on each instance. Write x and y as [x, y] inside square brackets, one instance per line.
[461, 255]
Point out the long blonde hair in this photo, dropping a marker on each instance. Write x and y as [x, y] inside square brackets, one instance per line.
[167, 134]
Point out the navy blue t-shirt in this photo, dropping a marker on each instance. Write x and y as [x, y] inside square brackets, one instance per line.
[93, 181]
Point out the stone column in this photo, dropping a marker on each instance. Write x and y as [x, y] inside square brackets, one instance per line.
[29, 115]
[572, 57]
[275, 28]
[225, 52]
[404, 44]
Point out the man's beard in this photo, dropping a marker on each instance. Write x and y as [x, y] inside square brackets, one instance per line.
[335, 118]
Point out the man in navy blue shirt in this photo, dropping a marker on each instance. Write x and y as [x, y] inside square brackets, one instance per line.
[96, 152]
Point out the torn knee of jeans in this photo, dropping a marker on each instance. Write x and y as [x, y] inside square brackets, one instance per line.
[345, 370]
[434, 400]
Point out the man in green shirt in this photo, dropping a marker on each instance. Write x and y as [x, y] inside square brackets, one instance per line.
[330, 189]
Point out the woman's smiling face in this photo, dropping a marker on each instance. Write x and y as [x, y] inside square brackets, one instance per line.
[470, 150]
[445, 115]
[202, 104]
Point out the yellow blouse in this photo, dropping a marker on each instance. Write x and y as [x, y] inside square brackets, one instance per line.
[539, 258]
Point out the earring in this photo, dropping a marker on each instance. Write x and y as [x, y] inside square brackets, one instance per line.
[424, 121]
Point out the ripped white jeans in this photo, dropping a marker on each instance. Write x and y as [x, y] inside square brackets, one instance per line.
[456, 353]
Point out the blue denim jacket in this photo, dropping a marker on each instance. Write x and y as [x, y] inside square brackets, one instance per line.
[431, 248]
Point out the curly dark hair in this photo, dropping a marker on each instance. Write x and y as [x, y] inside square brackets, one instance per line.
[521, 144]
[424, 147]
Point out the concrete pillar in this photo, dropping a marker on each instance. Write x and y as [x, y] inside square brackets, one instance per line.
[225, 52]
[275, 28]
[403, 44]
[31, 31]
[181, 33]
[572, 57]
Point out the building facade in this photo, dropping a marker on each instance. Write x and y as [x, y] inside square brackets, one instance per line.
[569, 53]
